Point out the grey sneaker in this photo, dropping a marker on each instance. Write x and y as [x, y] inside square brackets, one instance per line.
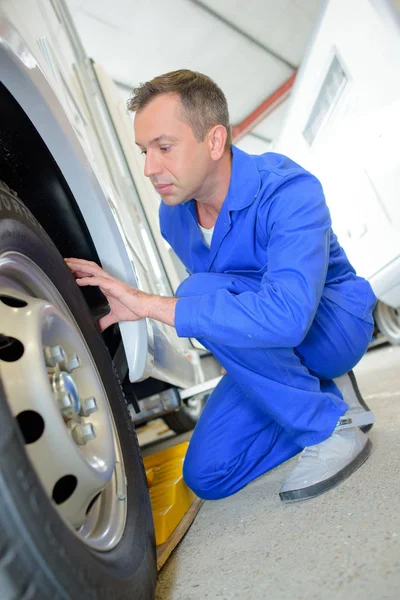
[347, 384]
[325, 465]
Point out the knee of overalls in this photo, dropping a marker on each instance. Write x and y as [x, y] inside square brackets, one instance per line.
[200, 284]
[208, 481]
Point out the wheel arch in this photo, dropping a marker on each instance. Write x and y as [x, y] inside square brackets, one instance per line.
[38, 145]
[28, 168]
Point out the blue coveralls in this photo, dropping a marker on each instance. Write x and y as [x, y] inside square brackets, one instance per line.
[277, 302]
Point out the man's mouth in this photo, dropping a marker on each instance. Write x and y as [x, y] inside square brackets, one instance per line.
[162, 188]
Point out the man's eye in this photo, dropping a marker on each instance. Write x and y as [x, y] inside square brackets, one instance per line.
[143, 152]
[165, 148]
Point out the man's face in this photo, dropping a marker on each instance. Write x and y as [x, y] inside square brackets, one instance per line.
[176, 163]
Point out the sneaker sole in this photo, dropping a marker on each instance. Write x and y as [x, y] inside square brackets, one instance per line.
[320, 488]
[361, 400]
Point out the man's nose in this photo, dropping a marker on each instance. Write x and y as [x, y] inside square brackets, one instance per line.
[152, 165]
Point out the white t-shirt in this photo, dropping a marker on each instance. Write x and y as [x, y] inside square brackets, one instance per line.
[206, 235]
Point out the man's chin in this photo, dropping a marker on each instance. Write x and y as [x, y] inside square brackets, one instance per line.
[174, 199]
[169, 201]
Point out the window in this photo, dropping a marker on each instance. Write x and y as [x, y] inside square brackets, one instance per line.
[332, 87]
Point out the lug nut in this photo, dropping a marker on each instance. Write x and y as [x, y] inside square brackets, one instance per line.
[74, 362]
[88, 406]
[83, 433]
[66, 403]
[54, 355]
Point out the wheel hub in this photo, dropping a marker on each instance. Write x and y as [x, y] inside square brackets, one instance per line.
[66, 395]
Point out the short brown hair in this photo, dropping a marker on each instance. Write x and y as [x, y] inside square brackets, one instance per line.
[204, 104]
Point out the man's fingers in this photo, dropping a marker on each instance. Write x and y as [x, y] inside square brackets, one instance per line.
[82, 261]
[88, 267]
[78, 273]
[81, 274]
[77, 264]
[106, 321]
[93, 281]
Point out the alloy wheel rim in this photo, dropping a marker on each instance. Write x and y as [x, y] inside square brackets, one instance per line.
[57, 397]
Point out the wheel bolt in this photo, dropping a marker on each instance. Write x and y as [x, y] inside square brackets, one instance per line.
[65, 403]
[83, 433]
[74, 362]
[88, 406]
[54, 355]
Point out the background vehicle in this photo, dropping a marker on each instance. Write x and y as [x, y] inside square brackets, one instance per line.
[75, 517]
[346, 131]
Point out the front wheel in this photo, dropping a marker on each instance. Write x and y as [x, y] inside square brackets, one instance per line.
[75, 515]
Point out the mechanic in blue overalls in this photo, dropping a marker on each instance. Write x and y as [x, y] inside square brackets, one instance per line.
[271, 294]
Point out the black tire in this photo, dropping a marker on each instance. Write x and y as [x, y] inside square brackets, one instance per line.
[185, 418]
[388, 322]
[40, 558]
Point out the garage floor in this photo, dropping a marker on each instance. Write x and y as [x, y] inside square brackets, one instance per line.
[344, 544]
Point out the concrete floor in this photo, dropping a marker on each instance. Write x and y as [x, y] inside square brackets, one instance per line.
[342, 545]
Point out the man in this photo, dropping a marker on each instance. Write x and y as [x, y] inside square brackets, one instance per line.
[271, 295]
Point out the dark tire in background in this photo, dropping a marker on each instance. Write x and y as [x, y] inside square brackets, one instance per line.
[186, 417]
[41, 556]
[388, 322]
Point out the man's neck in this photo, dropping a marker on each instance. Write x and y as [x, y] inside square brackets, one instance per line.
[212, 196]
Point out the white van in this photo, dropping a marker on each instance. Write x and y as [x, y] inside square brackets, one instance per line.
[343, 124]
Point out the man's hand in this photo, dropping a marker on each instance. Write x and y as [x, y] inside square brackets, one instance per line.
[126, 303]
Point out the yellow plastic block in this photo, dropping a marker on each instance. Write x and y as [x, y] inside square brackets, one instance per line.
[170, 497]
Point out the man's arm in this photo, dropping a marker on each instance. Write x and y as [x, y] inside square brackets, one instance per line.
[162, 309]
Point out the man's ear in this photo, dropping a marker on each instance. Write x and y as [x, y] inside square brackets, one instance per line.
[217, 139]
